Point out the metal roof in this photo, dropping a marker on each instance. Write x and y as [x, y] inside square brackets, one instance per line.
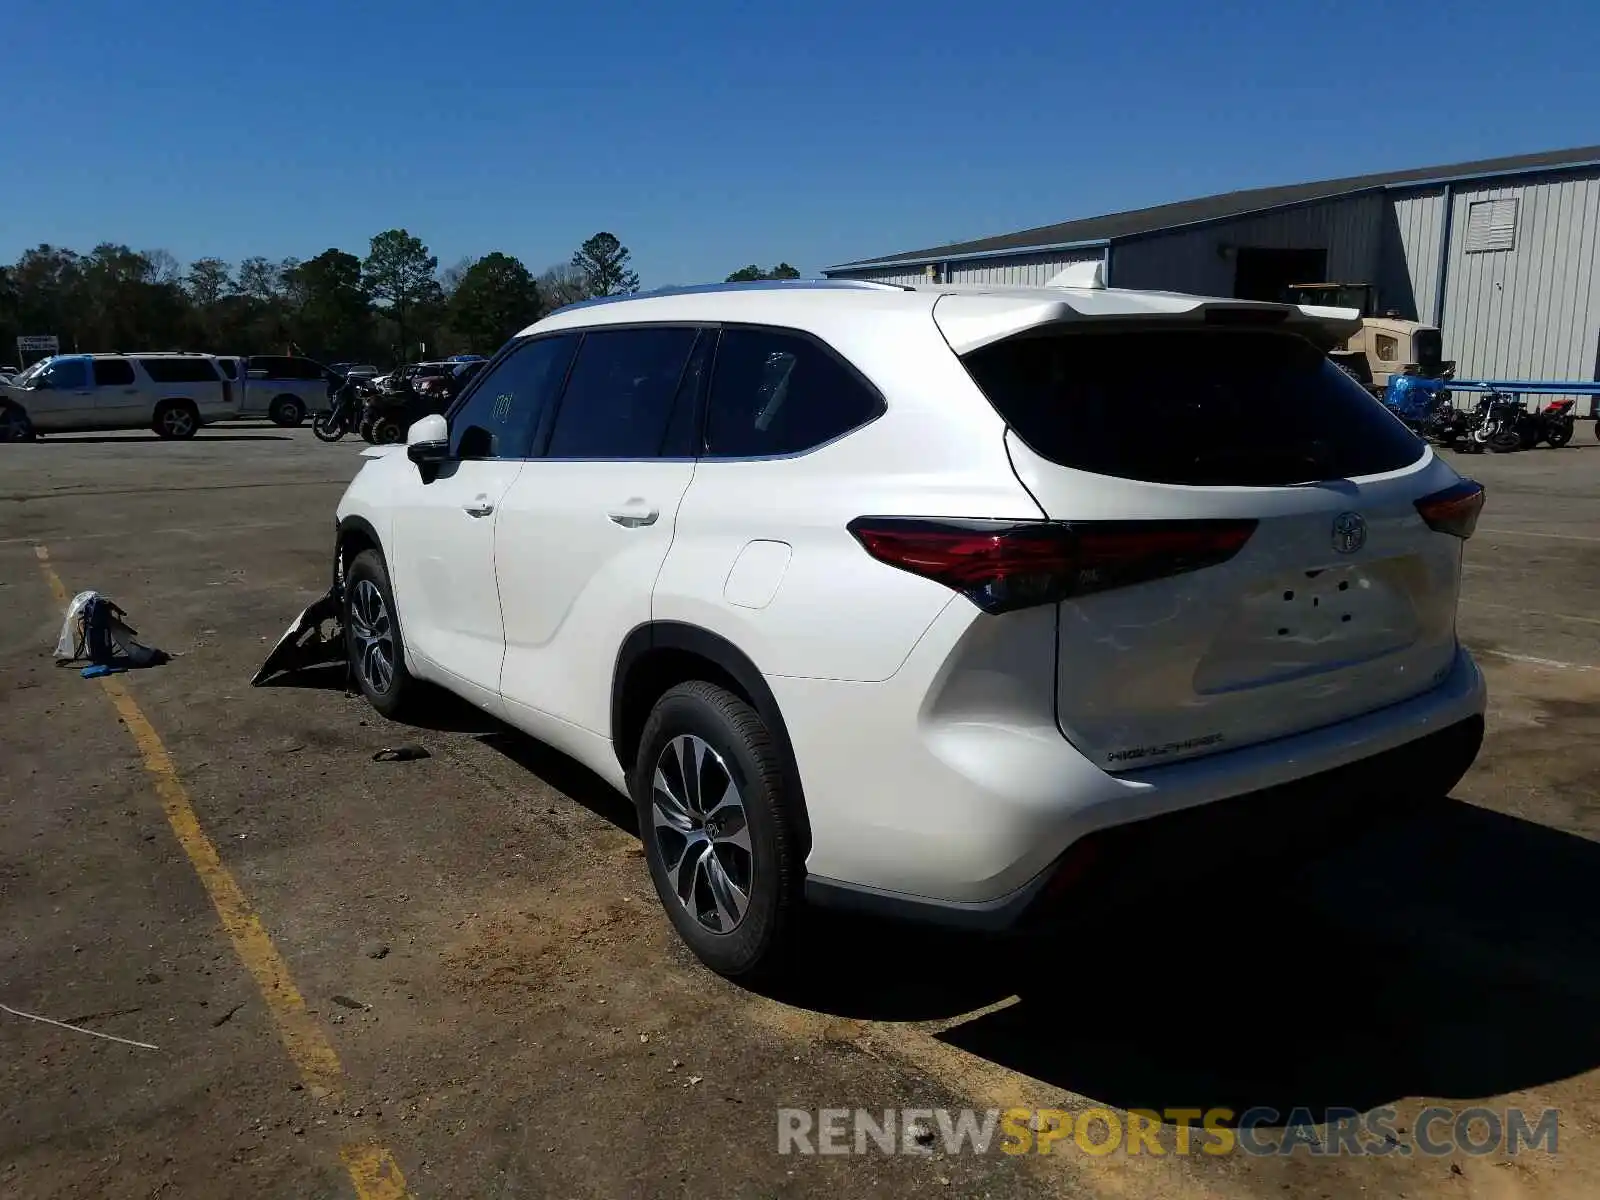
[1098, 231]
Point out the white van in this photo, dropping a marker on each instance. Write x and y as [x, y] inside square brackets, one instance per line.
[173, 394]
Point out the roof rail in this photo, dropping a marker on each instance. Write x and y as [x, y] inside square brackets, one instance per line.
[753, 285]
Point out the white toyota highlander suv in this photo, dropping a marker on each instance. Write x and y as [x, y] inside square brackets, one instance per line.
[936, 600]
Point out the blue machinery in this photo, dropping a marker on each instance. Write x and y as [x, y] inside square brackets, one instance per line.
[1406, 393]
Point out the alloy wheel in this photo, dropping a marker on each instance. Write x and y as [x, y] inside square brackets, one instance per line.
[177, 422]
[374, 634]
[700, 826]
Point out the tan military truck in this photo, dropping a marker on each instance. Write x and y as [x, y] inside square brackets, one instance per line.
[1385, 345]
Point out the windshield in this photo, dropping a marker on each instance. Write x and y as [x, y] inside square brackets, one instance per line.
[29, 374]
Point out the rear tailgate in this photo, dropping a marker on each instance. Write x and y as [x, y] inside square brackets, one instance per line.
[1341, 598]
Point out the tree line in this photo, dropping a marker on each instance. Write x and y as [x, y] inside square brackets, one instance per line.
[382, 308]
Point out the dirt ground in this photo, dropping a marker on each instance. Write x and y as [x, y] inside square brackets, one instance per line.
[506, 1013]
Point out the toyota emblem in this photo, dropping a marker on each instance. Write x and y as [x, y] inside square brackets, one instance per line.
[1349, 533]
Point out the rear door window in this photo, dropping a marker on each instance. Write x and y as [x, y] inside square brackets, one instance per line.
[113, 372]
[1211, 407]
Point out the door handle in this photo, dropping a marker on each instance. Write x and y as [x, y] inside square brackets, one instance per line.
[634, 514]
[479, 507]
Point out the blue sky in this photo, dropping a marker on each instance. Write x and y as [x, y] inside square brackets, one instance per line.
[707, 135]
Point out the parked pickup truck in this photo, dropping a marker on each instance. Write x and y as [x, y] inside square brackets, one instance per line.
[279, 387]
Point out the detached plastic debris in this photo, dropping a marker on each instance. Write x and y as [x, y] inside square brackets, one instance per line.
[306, 644]
[96, 630]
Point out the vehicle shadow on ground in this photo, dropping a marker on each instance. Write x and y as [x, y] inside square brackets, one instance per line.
[1454, 952]
[567, 776]
[68, 439]
[1457, 956]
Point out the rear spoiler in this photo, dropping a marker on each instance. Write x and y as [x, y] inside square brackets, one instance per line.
[972, 320]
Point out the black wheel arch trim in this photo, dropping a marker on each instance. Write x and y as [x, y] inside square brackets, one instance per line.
[346, 527]
[716, 649]
[364, 528]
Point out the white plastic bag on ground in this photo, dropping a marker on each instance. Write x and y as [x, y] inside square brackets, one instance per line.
[70, 645]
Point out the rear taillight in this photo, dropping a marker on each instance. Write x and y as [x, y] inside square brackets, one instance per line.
[1006, 565]
[1454, 510]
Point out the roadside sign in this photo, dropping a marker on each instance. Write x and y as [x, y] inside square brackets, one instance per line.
[31, 348]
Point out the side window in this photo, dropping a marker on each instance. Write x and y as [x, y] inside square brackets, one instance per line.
[776, 392]
[113, 372]
[179, 369]
[1388, 348]
[229, 367]
[502, 412]
[68, 374]
[620, 399]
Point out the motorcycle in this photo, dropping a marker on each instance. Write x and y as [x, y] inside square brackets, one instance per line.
[348, 410]
[1496, 424]
[1554, 423]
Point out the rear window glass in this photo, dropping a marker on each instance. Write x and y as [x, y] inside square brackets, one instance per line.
[179, 370]
[1214, 407]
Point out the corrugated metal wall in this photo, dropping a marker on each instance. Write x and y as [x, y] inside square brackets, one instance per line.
[1192, 260]
[884, 275]
[1033, 270]
[1410, 279]
[1531, 312]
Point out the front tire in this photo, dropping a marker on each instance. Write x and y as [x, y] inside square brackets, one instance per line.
[323, 427]
[176, 419]
[718, 829]
[1505, 441]
[372, 636]
[386, 431]
[15, 425]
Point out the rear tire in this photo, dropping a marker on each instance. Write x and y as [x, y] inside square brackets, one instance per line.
[176, 419]
[372, 637]
[717, 824]
[1560, 435]
[287, 411]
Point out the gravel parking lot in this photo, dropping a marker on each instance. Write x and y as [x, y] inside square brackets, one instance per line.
[454, 970]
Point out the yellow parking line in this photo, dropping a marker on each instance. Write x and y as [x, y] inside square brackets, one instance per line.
[371, 1167]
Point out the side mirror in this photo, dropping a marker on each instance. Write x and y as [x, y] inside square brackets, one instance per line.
[428, 441]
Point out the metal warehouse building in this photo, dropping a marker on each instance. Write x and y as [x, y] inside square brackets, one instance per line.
[1503, 255]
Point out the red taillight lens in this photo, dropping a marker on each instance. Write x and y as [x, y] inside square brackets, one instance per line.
[1454, 510]
[1006, 565]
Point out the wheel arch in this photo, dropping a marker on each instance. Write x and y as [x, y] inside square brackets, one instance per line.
[661, 654]
[354, 534]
